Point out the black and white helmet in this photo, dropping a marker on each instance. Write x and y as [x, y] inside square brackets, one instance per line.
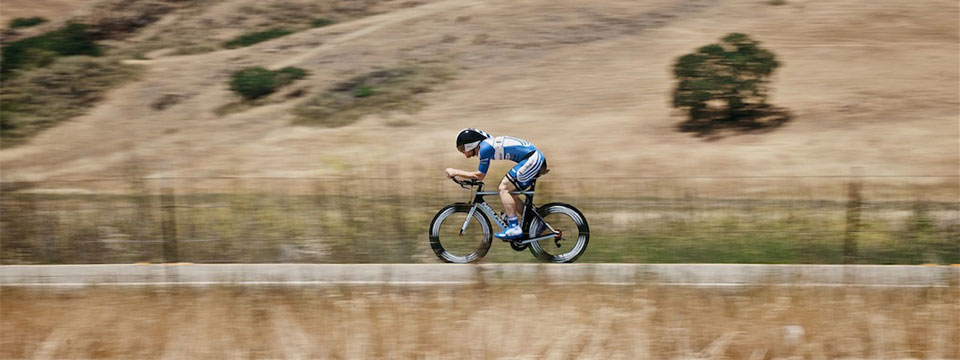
[470, 138]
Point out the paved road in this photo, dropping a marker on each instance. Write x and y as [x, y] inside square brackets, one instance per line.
[446, 274]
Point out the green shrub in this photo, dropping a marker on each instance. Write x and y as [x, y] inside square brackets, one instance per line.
[734, 73]
[321, 22]
[257, 37]
[362, 91]
[256, 82]
[39, 51]
[26, 22]
[293, 72]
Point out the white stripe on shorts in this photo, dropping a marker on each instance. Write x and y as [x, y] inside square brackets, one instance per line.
[530, 169]
[536, 169]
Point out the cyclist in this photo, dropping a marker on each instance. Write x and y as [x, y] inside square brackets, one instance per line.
[530, 165]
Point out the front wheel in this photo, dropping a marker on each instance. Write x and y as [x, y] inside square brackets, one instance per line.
[453, 247]
[570, 222]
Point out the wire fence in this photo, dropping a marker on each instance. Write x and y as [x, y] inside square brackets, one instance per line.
[785, 219]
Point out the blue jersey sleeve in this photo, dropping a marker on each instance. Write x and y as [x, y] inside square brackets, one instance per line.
[485, 154]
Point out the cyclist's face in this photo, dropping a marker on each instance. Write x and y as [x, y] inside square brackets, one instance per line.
[470, 154]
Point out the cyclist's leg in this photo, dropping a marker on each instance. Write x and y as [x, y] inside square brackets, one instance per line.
[519, 205]
[520, 177]
[510, 201]
[513, 229]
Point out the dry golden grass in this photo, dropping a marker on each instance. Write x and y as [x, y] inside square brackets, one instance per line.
[54, 10]
[384, 220]
[378, 92]
[870, 86]
[480, 323]
[45, 97]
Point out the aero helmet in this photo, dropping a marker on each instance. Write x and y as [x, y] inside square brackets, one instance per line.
[469, 139]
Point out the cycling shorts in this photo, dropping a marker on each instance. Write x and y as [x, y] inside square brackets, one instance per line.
[527, 170]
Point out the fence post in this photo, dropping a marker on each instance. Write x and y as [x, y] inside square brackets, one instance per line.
[169, 226]
[854, 205]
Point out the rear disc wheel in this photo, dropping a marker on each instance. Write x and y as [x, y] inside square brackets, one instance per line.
[575, 234]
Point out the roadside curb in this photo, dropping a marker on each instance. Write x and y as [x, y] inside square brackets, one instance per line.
[730, 275]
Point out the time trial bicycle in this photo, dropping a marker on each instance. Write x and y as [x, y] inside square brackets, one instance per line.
[462, 232]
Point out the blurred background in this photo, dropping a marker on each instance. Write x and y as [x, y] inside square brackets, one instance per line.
[251, 131]
[687, 131]
[775, 220]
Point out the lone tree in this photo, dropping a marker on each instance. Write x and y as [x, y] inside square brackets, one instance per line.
[731, 75]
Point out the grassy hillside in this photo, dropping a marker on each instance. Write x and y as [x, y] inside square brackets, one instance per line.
[869, 86]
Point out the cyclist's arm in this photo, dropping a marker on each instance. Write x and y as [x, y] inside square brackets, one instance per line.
[485, 153]
[466, 174]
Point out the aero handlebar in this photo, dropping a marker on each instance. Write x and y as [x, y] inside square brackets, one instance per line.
[465, 183]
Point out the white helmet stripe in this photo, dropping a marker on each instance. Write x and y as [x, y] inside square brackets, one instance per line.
[470, 146]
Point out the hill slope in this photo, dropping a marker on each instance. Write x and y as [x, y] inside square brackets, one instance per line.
[867, 85]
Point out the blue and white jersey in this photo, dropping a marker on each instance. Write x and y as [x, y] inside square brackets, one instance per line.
[503, 148]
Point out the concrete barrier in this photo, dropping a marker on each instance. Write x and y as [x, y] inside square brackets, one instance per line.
[448, 274]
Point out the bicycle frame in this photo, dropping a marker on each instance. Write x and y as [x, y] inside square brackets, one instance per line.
[528, 208]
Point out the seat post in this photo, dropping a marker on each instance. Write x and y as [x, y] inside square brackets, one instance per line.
[533, 190]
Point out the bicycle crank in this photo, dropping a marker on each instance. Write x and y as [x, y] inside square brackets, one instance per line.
[556, 238]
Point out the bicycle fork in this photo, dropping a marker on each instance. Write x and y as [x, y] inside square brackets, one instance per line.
[463, 228]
